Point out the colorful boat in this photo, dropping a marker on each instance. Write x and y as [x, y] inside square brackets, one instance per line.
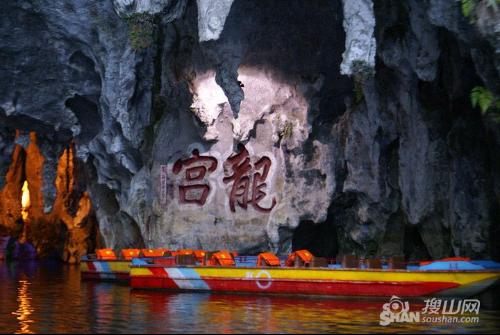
[107, 266]
[455, 277]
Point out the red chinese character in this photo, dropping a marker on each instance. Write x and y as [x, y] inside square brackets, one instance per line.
[245, 175]
[195, 192]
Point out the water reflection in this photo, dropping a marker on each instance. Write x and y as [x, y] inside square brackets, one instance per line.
[51, 298]
[221, 313]
[24, 310]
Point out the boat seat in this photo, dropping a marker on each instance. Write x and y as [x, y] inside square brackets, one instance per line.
[373, 263]
[222, 258]
[268, 259]
[350, 261]
[153, 252]
[188, 259]
[199, 255]
[207, 260]
[300, 258]
[185, 252]
[128, 254]
[180, 252]
[169, 253]
[397, 263]
[320, 262]
[166, 261]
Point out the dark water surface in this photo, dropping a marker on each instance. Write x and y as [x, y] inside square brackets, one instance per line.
[48, 297]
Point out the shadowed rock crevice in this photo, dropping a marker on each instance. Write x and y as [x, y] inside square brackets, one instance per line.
[320, 239]
[88, 117]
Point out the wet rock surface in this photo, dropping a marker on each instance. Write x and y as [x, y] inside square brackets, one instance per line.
[216, 125]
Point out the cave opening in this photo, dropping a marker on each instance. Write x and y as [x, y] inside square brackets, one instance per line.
[320, 239]
[45, 210]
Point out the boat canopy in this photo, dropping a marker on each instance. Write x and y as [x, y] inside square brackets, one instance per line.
[223, 258]
[128, 254]
[153, 252]
[300, 257]
[105, 254]
[268, 259]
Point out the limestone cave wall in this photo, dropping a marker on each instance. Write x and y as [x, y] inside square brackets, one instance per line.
[345, 127]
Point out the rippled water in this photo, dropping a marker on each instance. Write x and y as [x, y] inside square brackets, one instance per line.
[49, 297]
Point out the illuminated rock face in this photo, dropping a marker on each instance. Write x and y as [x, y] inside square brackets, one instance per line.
[253, 137]
[248, 196]
[69, 230]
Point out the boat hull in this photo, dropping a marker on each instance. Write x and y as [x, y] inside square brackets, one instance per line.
[325, 282]
[105, 270]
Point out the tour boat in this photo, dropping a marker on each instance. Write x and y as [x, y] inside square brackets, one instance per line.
[299, 275]
[106, 265]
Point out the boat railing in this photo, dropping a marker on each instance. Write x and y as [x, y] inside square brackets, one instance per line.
[225, 258]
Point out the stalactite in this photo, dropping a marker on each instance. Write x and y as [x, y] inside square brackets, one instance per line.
[68, 229]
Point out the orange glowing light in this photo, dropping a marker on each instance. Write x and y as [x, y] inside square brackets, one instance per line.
[25, 310]
[25, 201]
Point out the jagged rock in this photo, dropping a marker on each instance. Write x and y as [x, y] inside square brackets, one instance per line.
[360, 46]
[117, 229]
[488, 23]
[51, 153]
[6, 150]
[212, 16]
[128, 7]
[169, 10]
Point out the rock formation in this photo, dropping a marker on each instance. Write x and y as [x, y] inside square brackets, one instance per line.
[339, 126]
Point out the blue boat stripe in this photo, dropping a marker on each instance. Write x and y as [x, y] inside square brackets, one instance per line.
[198, 283]
[105, 267]
[187, 278]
